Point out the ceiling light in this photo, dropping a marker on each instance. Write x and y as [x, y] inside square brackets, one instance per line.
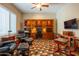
[38, 5]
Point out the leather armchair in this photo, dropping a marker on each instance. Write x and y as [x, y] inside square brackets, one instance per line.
[28, 40]
[23, 35]
[7, 46]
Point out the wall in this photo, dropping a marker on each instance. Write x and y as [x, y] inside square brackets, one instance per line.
[67, 12]
[12, 8]
[39, 16]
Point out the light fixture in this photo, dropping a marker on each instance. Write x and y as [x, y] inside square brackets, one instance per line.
[40, 5]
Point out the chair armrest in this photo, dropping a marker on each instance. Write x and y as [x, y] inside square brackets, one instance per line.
[13, 45]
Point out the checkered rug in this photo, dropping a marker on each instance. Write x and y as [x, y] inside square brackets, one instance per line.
[42, 48]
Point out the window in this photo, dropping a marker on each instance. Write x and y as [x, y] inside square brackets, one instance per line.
[7, 22]
[13, 23]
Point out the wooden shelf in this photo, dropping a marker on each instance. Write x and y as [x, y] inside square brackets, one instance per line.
[44, 24]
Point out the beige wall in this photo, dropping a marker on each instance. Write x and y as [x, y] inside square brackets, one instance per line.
[39, 16]
[12, 8]
[67, 12]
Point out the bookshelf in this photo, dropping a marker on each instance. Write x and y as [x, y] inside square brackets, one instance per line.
[46, 27]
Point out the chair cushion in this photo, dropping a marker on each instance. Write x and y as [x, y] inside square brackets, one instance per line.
[4, 49]
[23, 45]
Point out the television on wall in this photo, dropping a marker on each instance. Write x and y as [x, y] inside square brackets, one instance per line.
[71, 24]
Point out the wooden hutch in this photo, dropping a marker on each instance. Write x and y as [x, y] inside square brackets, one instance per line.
[46, 27]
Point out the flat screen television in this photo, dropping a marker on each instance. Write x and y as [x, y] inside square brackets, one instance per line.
[71, 24]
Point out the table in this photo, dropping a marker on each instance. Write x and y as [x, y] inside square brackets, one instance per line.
[60, 41]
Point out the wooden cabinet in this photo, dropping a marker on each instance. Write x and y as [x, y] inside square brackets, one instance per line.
[33, 23]
[45, 36]
[49, 23]
[39, 23]
[45, 25]
[28, 23]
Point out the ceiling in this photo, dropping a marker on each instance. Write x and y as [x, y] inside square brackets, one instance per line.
[26, 8]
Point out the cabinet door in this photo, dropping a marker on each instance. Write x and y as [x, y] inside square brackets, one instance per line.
[33, 23]
[49, 23]
[29, 23]
[49, 35]
[45, 36]
[39, 23]
[44, 23]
